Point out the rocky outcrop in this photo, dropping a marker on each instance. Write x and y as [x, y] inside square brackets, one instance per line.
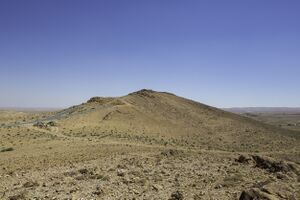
[144, 93]
[272, 165]
[267, 163]
[256, 194]
[101, 100]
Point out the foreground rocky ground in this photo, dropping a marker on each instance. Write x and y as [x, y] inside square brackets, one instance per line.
[136, 171]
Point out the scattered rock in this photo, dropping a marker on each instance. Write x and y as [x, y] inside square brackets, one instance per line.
[157, 187]
[272, 165]
[144, 93]
[30, 184]
[121, 172]
[70, 173]
[98, 191]
[52, 123]
[243, 159]
[6, 149]
[17, 197]
[176, 196]
[256, 194]
[289, 124]
[100, 100]
[80, 177]
[83, 171]
[170, 152]
[40, 125]
[199, 196]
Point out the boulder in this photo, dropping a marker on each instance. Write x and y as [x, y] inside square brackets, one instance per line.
[271, 164]
[40, 125]
[243, 159]
[52, 123]
[256, 194]
[177, 195]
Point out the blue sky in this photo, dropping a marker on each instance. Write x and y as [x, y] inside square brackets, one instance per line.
[56, 53]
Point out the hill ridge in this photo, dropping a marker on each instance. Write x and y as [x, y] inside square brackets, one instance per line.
[167, 117]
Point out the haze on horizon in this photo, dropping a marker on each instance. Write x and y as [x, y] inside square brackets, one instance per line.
[221, 53]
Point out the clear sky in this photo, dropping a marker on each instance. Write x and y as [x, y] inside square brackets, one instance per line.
[56, 53]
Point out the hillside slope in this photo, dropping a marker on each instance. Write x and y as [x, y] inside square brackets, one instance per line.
[164, 118]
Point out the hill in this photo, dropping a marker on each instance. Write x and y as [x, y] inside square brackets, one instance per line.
[164, 118]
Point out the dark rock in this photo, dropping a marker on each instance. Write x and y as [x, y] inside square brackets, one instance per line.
[157, 187]
[176, 196]
[30, 184]
[144, 93]
[98, 191]
[243, 159]
[17, 197]
[272, 165]
[83, 171]
[100, 100]
[52, 123]
[170, 152]
[256, 194]
[70, 173]
[249, 195]
[80, 177]
[6, 149]
[40, 125]
[121, 172]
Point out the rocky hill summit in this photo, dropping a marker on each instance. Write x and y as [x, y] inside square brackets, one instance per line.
[165, 118]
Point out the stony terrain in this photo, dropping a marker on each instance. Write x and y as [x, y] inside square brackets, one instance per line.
[145, 145]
